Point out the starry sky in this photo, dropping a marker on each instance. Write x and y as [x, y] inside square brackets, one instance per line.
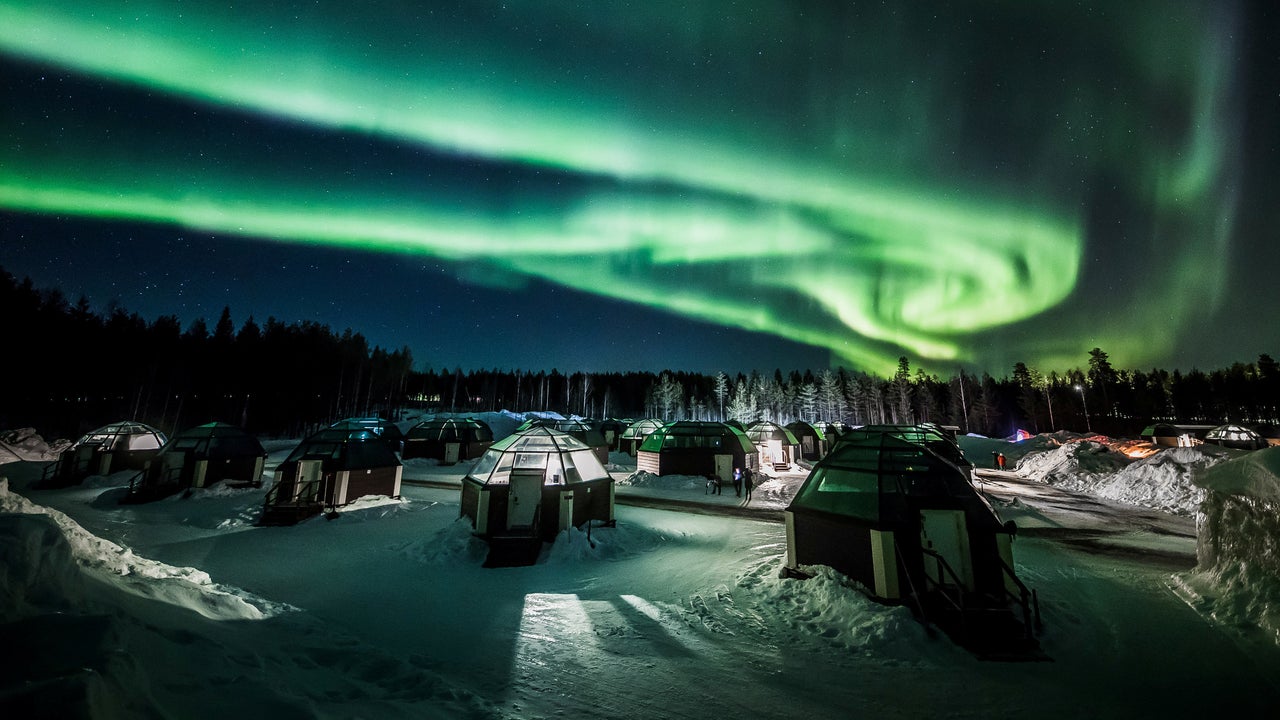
[705, 185]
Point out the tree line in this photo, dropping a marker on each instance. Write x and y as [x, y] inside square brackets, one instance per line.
[73, 369]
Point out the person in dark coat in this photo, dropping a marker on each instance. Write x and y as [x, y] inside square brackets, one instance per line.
[748, 480]
[737, 482]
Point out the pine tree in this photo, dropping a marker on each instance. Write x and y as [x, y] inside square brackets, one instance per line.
[721, 391]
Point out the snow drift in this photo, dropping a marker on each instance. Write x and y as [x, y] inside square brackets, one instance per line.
[104, 560]
[24, 444]
[1163, 480]
[1237, 576]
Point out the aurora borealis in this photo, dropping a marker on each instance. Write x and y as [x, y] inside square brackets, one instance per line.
[969, 185]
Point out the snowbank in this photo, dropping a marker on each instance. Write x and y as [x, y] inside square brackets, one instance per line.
[642, 479]
[67, 649]
[1255, 475]
[185, 587]
[1162, 480]
[1237, 576]
[24, 444]
[40, 572]
[831, 608]
[64, 657]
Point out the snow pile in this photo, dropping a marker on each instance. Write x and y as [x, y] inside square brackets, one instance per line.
[1162, 481]
[59, 660]
[453, 544]
[603, 543]
[24, 444]
[832, 609]
[642, 479]
[1076, 465]
[40, 573]
[372, 507]
[1237, 578]
[104, 560]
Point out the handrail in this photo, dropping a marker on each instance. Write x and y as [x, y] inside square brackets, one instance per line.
[134, 480]
[167, 476]
[942, 562]
[958, 604]
[911, 583]
[1028, 608]
[303, 494]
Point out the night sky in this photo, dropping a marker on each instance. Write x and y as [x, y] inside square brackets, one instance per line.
[702, 186]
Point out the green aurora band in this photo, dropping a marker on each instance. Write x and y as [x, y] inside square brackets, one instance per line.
[851, 202]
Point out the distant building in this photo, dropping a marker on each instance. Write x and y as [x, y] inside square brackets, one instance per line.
[690, 447]
[109, 449]
[1235, 436]
[385, 430]
[330, 469]
[199, 457]
[1175, 435]
[812, 438]
[449, 440]
[612, 429]
[635, 433]
[777, 446]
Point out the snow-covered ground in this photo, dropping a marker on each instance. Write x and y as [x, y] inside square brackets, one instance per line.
[184, 608]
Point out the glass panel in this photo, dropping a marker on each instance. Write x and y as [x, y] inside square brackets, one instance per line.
[555, 469]
[504, 463]
[846, 492]
[144, 442]
[531, 460]
[486, 464]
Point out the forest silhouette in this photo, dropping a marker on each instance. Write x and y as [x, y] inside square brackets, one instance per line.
[72, 369]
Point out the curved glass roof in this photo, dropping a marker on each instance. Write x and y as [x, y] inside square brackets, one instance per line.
[562, 458]
[579, 429]
[451, 430]
[215, 438]
[764, 431]
[1232, 432]
[384, 429]
[694, 434]
[876, 476]
[800, 427]
[641, 428]
[352, 449]
[925, 434]
[124, 435]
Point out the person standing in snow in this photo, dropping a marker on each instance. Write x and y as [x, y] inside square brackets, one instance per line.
[737, 482]
[1000, 461]
[748, 479]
